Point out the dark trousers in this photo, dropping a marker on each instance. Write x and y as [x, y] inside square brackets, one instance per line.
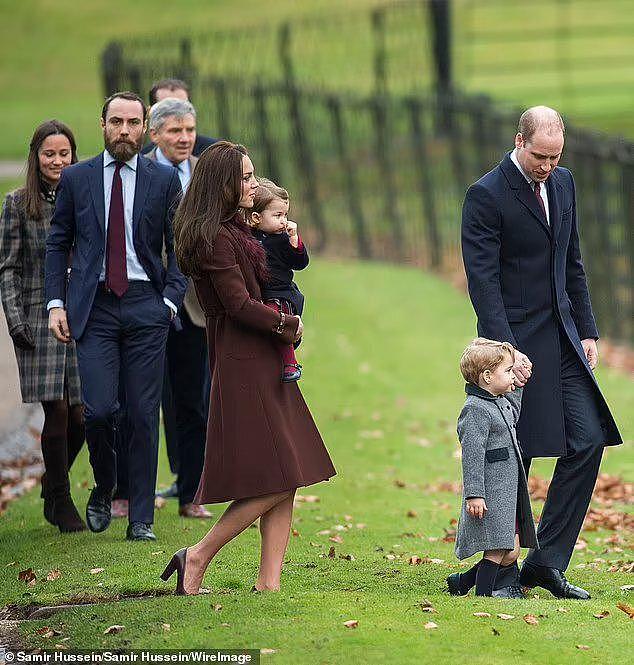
[124, 338]
[576, 473]
[188, 372]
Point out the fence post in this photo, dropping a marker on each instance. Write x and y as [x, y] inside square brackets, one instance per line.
[112, 67]
[380, 55]
[302, 152]
[419, 142]
[440, 21]
[352, 189]
[186, 67]
[391, 209]
[222, 107]
[262, 123]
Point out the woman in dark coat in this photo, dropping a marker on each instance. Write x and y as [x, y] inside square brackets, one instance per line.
[262, 443]
[48, 370]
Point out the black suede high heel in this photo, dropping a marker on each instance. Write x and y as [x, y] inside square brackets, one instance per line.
[177, 563]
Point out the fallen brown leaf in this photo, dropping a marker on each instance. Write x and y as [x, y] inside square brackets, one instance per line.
[166, 627]
[353, 623]
[412, 513]
[113, 630]
[414, 560]
[505, 617]
[307, 498]
[96, 571]
[54, 574]
[265, 652]
[430, 625]
[624, 607]
[331, 553]
[27, 576]
[336, 539]
[217, 607]
[583, 647]
[601, 615]
[481, 614]
[531, 619]
[295, 532]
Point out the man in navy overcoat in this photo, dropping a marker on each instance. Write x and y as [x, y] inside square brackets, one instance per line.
[115, 213]
[527, 283]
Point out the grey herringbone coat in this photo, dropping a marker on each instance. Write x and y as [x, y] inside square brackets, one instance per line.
[45, 370]
[492, 469]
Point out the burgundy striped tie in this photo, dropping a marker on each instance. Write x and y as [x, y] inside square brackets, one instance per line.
[116, 269]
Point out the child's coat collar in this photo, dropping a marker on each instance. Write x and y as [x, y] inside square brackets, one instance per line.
[476, 391]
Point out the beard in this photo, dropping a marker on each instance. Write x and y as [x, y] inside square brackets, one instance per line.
[122, 149]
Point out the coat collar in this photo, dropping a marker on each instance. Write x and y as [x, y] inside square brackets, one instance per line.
[476, 391]
[518, 183]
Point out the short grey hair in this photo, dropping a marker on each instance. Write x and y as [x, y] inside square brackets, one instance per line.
[167, 108]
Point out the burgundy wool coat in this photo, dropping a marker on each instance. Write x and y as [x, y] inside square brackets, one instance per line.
[261, 437]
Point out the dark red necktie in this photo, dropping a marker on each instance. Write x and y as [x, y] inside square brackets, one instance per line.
[540, 200]
[116, 269]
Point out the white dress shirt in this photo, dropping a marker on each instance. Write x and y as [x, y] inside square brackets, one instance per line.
[183, 168]
[128, 184]
[542, 185]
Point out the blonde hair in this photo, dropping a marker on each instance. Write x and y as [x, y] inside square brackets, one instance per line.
[483, 354]
[266, 192]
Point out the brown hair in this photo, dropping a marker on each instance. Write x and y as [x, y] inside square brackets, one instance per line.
[169, 84]
[31, 193]
[483, 354]
[211, 199]
[266, 192]
[126, 94]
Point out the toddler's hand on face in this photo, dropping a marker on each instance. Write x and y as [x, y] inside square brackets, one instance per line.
[291, 228]
[476, 507]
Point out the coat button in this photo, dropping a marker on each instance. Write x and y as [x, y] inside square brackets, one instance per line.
[508, 408]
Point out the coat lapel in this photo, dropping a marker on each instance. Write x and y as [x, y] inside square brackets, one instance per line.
[523, 191]
[141, 190]
[95, 179]
[555, 192]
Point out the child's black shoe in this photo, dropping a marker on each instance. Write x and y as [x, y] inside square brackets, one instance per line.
[292, 372]
[453, 582]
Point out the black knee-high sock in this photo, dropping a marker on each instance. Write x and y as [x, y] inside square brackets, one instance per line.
[507, 576]
[485, 577]
[468, 578]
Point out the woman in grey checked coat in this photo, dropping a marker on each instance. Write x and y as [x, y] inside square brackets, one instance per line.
[47, 368]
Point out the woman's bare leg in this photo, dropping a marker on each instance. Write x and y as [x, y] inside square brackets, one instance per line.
[275, 527]
[237, 517]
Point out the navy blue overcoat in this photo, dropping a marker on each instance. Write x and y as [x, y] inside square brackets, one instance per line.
[526, 280]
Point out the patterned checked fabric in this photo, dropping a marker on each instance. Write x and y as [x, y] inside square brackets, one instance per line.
[43, 371]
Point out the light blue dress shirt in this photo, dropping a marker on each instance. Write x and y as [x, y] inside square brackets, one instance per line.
[183, 168]
[128, 182]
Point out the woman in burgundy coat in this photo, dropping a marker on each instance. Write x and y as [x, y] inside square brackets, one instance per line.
[262, 443]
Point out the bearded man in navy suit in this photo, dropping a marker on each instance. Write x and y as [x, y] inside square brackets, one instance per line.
[527, 283]
[115, 212]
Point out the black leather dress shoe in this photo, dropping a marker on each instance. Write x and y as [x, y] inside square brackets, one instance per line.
[170, 492]
[98, 510]
[139, 531]
[508, 592]
[552, 580]
[453, 584]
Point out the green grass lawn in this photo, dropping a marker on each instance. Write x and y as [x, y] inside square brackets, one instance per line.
[51, 51]
[380, 374]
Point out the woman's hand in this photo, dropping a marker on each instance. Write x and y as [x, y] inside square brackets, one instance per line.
[476, 507]
[300, 330]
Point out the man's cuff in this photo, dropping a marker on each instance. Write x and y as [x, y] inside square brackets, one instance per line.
[171, 305]
[54, 303]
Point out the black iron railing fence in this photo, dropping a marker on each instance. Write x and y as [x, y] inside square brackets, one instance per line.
[382, 174]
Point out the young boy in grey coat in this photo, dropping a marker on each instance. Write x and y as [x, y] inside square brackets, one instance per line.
[496, 516]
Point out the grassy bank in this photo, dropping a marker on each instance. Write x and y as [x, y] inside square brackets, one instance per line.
[380, 359]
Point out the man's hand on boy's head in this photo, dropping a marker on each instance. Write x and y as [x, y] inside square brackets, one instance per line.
[476, 507]
[523, 369]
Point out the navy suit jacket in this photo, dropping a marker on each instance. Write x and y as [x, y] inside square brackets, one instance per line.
[526, 282]
[78, 224]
